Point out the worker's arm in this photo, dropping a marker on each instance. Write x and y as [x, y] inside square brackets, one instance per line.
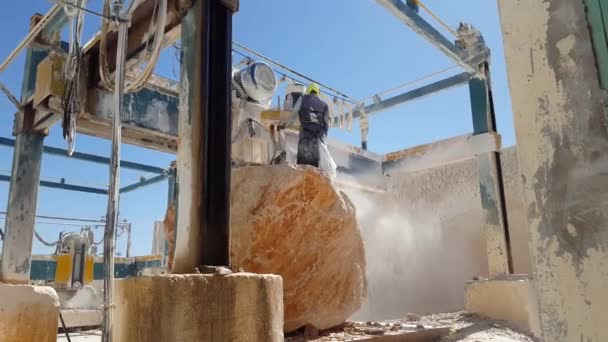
[294, 114]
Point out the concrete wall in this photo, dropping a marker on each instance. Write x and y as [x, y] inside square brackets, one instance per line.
[560, 116]
[424, 237]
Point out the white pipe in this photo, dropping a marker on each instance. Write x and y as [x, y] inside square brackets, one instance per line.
[30, 36]
[341, 113]
[161, 23]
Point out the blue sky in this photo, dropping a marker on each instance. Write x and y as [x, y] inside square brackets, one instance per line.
[354, 46]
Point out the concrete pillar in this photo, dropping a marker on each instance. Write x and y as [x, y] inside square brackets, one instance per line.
[28, 313]
[21, 209]
[199, 307]
[189, 149]
[490, 177]
[560, 120]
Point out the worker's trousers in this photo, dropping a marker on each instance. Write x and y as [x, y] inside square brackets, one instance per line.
[308, 145]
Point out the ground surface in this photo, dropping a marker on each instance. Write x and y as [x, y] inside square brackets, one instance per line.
[461, 327]
[82, 336]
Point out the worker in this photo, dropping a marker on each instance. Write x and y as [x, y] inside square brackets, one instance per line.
[313, 113]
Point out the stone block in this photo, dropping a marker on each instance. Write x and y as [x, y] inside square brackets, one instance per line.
[199, 307]
[511, 299]
[28, 313]
[292, 221]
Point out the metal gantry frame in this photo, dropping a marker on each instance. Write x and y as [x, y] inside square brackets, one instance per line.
[474, 59]
[160, 174]
[28, 145]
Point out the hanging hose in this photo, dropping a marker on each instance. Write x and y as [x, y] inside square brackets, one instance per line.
[44, 242]
[340, 116]
[349, 116]
[364, 125]
[73, 95]
[65, 329]
[139, 80]
[339, 113]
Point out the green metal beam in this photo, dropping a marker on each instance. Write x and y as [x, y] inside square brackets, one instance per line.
[491, 185]
[597, 17]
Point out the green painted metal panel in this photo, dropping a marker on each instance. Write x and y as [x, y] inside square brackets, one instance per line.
[604, 10]
[43, 270]
[479, 106]
[597, 13]
[120, 270]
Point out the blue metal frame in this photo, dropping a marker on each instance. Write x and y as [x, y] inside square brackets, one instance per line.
[416, 94]
[142, 183]
[410, 17]
[63, 185]
[161, 173]
[91, 158]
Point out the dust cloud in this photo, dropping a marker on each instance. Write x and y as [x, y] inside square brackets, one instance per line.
[421, 248]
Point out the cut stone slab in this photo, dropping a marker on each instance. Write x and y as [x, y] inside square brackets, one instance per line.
[292, 221]
[199, 307]
[28, 313]
[511, 299]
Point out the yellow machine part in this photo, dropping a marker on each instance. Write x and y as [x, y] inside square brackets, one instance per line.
[63, 272]
[65, 263]
[270, 117]
[89, 264]
[49, 79]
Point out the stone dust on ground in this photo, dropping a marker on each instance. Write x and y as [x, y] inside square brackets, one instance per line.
[458, 327]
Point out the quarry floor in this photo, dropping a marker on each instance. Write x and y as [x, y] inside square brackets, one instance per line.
[453, 327]
[458, 326]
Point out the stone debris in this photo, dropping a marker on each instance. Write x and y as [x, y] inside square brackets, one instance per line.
[446, 327]
[411, 317]
[374, 331]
